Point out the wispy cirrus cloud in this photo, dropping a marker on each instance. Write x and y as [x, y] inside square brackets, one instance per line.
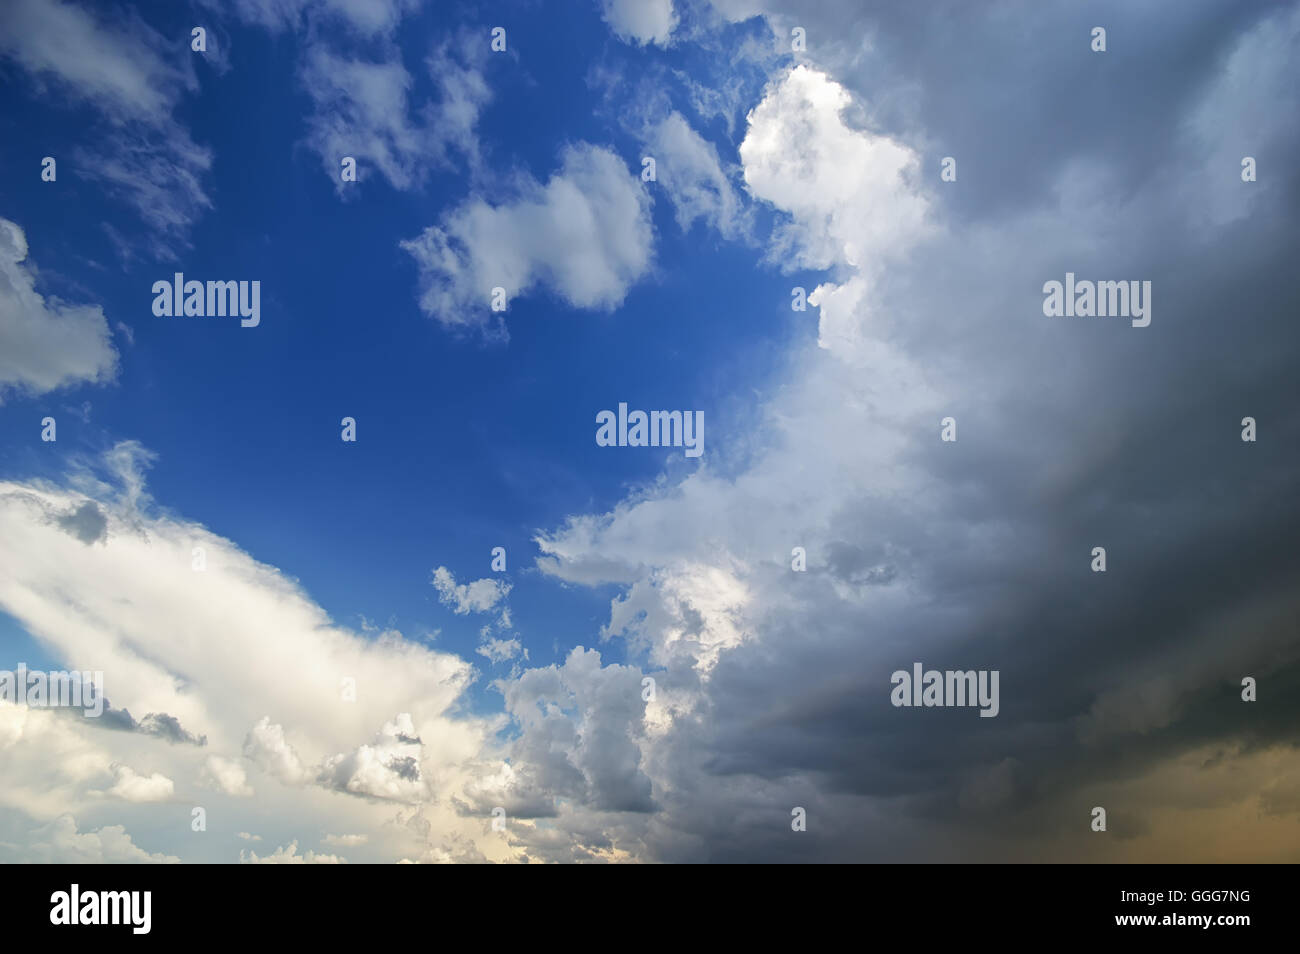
[135, 78]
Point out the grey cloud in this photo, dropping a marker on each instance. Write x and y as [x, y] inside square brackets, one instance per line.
[159, 724]
[87, 523]
[1073, 433]
[579, 729]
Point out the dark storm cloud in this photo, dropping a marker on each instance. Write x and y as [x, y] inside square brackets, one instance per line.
[1073, 433]
[1076, 432]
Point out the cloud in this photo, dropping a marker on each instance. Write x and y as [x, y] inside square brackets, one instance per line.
[130, 786]
[158, 170]
[228, 776]
[688, 168]
[169, 727]
[852, 205]
[362, 110]
[500, 650]
[478, 596]
[388, 767]
[237, 654]
[363, 95]
[48, 344]
[121, 65]
[579, 730]
[86, 523]
[481, 596]
[640, 21]
[345, 841]
[50, 762]
[60, 842]
[158, 724]
[135, 78]
[585, 235]
[367, 18]
[846, 191]
[773, 684]
[289, 856]
[463, 94]
[267, 748]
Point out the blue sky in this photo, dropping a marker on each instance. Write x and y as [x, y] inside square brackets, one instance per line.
[684, 654]
[464, 444]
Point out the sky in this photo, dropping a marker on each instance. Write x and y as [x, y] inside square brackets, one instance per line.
[363, 580]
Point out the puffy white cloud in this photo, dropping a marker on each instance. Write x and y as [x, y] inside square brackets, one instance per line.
[640, 21]
[477, 596]
[47, 344]
[500, 650]
[131, 786]
[585, 234]
[853, 204]
[261, 626]
[267, 748]
[289, 856]
[847, 191]
[237, 653]
[227, 775]
[387, 767]
[50, 765]
[60, 842]
[692, 612]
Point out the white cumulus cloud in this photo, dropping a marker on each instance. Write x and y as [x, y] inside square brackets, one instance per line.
[46, 344]
[585, 235]
[640, 21]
